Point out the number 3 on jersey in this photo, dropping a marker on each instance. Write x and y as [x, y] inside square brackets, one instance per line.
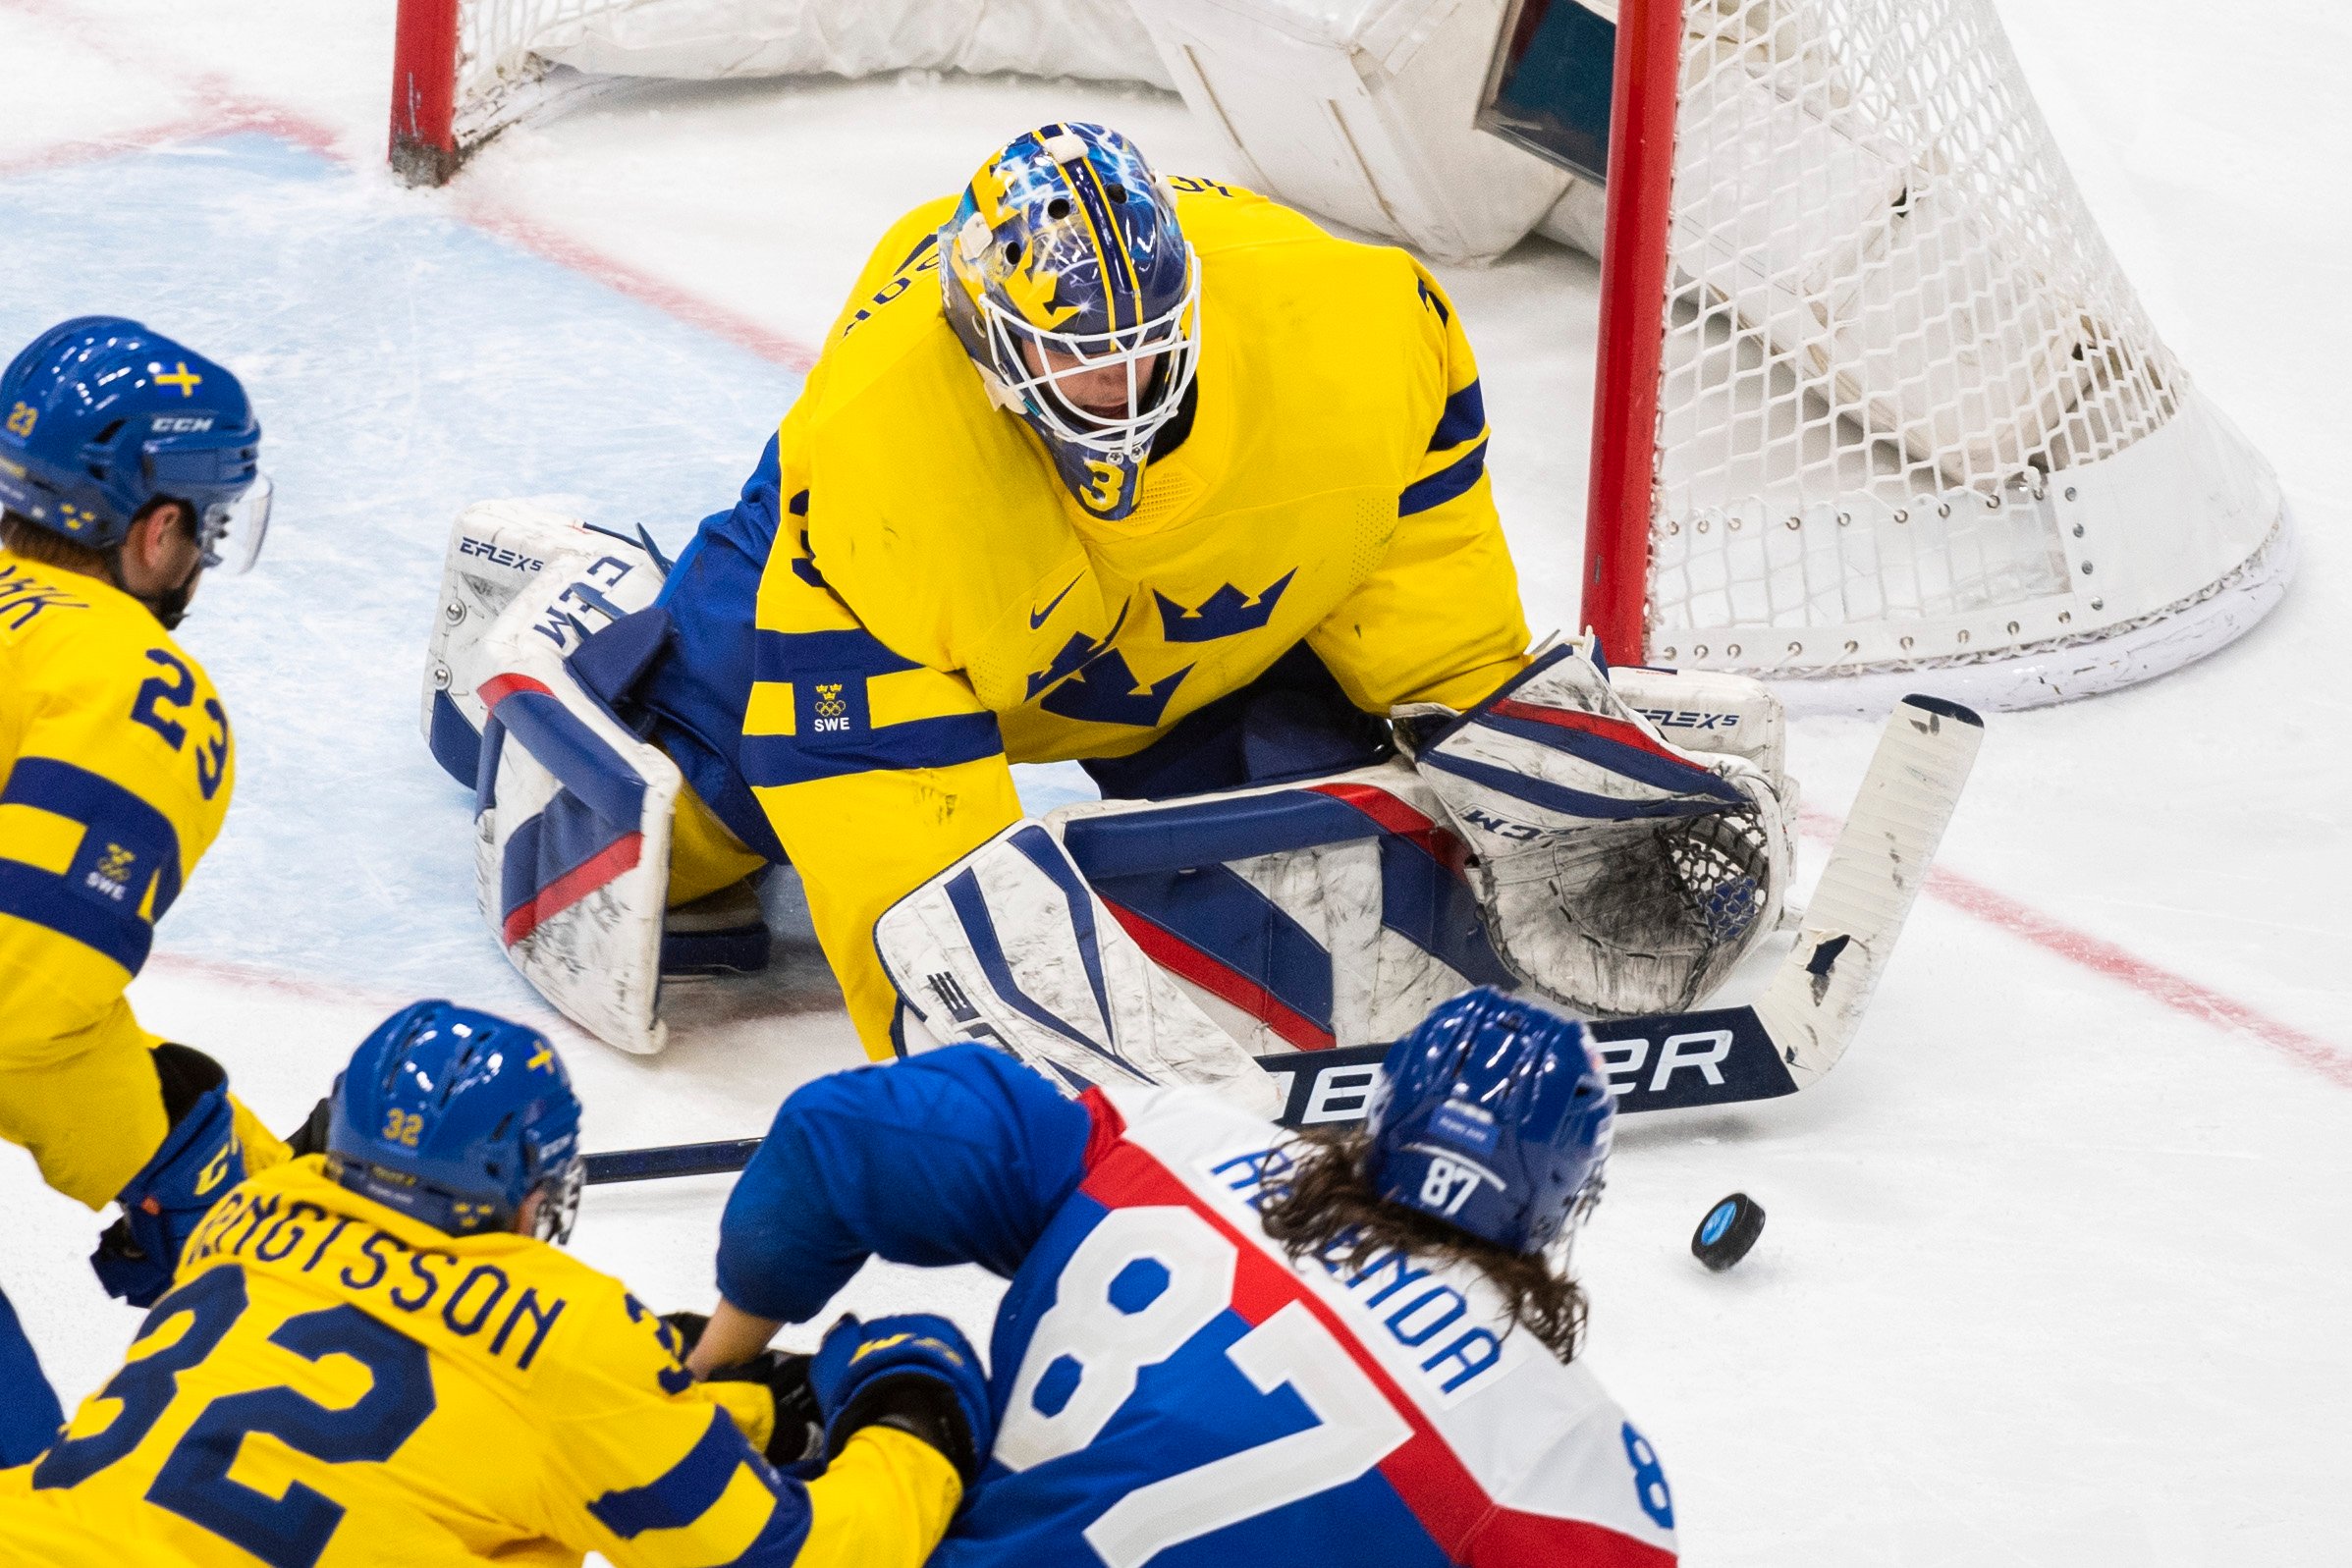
[1136, 1292]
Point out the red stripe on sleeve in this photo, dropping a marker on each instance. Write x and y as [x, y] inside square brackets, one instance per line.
[1109, 1126]
[1514, 1539]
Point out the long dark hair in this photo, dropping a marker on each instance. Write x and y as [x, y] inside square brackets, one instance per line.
[1326, 1204]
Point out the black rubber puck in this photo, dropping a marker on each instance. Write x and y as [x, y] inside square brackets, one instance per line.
[1729, 1229]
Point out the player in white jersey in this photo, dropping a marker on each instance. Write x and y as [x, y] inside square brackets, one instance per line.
[1228, 1343]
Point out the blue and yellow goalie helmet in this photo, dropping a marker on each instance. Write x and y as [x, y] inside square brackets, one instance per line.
[1078, 300]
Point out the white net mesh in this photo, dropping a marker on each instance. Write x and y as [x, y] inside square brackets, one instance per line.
[505, 47]
[1902, 370]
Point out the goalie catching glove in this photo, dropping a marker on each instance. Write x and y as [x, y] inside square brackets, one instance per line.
[1613, 870]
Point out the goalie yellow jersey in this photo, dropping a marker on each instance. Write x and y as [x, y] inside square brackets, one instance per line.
[331, 1385]
[936, 603]
[116, 767]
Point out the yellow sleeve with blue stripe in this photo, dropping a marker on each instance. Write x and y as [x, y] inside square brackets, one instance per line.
[1440, 621]
[663, 1473]
[116, 769]
[875, 770]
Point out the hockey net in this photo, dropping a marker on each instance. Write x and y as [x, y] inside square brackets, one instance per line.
[465, 70]
[1876, 399]
[1877, 412]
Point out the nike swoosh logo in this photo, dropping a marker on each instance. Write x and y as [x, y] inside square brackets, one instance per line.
[1037, 617]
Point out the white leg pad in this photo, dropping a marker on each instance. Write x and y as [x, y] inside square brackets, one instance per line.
[1009, 946]
[571, 824]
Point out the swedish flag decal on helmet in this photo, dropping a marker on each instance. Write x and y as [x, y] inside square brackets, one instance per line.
[1078, 300]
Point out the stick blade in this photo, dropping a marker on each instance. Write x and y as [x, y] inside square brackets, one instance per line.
[1815, 1000]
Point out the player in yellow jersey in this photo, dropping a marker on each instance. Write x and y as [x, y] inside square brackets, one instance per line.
[1151, 473]
[126, 471]
[379, 1356]
[1156, 476]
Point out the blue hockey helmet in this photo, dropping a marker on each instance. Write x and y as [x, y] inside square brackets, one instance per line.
[100, 417]
[1491, 1116]
[1064, 273]
[456, 1117]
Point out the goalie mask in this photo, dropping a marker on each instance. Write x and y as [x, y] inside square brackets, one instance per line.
[1078, 300]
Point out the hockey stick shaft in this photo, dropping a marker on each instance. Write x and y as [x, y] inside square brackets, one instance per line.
[671, 1160]
[1815, 1000]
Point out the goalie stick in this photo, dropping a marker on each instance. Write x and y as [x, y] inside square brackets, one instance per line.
[1785, 1042]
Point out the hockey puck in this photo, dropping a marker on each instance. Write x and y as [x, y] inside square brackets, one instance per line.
[1729, 1229]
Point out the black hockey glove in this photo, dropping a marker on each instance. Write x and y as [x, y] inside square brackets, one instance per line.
[800, 1432]
[686, 1331]
[310, 1138]
[800, 1426]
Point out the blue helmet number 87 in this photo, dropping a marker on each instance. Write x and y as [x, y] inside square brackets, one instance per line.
[1648, 1479]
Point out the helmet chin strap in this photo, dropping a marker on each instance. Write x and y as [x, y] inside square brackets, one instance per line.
[170, 605]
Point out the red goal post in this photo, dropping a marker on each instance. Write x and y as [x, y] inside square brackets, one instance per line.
[424, 92]
[1633, 280]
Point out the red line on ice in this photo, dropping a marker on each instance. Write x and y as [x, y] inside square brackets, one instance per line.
[550, 244]
[2101, 956]
[340, 993]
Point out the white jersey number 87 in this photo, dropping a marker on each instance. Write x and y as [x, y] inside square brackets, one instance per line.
[1355, 1425]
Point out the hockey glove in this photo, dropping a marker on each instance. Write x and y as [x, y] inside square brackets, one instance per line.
[800, 1432]
[310, 1138]
[686, 1331]
[199, 1162]
[1612, 869]
[915, 1371]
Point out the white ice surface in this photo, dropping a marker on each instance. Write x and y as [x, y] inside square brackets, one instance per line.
[2055, 1272]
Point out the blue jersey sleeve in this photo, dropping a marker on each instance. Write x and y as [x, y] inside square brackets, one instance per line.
[961, 1155]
